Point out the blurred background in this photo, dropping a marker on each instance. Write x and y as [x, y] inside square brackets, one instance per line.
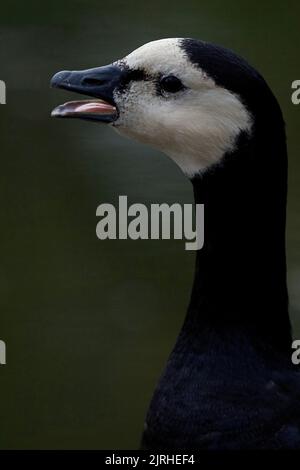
[89, 324]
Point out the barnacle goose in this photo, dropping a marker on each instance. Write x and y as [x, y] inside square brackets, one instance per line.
[229, 382]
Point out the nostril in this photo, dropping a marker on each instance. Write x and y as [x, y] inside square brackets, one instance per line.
[93, 81]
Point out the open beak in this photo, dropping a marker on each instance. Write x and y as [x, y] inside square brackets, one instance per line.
[99, 83]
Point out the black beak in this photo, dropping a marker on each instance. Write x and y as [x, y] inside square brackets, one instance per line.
[99, 83]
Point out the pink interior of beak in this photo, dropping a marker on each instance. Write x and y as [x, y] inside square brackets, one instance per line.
[94, 107]
[83, 107]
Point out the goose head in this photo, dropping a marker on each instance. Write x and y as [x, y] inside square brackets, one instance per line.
[190, 99]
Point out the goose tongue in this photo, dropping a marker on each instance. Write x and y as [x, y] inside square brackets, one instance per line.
[84, 107]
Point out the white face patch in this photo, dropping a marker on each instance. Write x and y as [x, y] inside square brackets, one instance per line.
[195, 126]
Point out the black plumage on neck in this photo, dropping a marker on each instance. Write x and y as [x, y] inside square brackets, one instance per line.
[240, 278]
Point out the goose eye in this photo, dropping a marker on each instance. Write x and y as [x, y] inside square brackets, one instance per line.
[171, 84]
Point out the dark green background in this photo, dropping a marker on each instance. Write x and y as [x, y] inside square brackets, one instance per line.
[89, 324]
